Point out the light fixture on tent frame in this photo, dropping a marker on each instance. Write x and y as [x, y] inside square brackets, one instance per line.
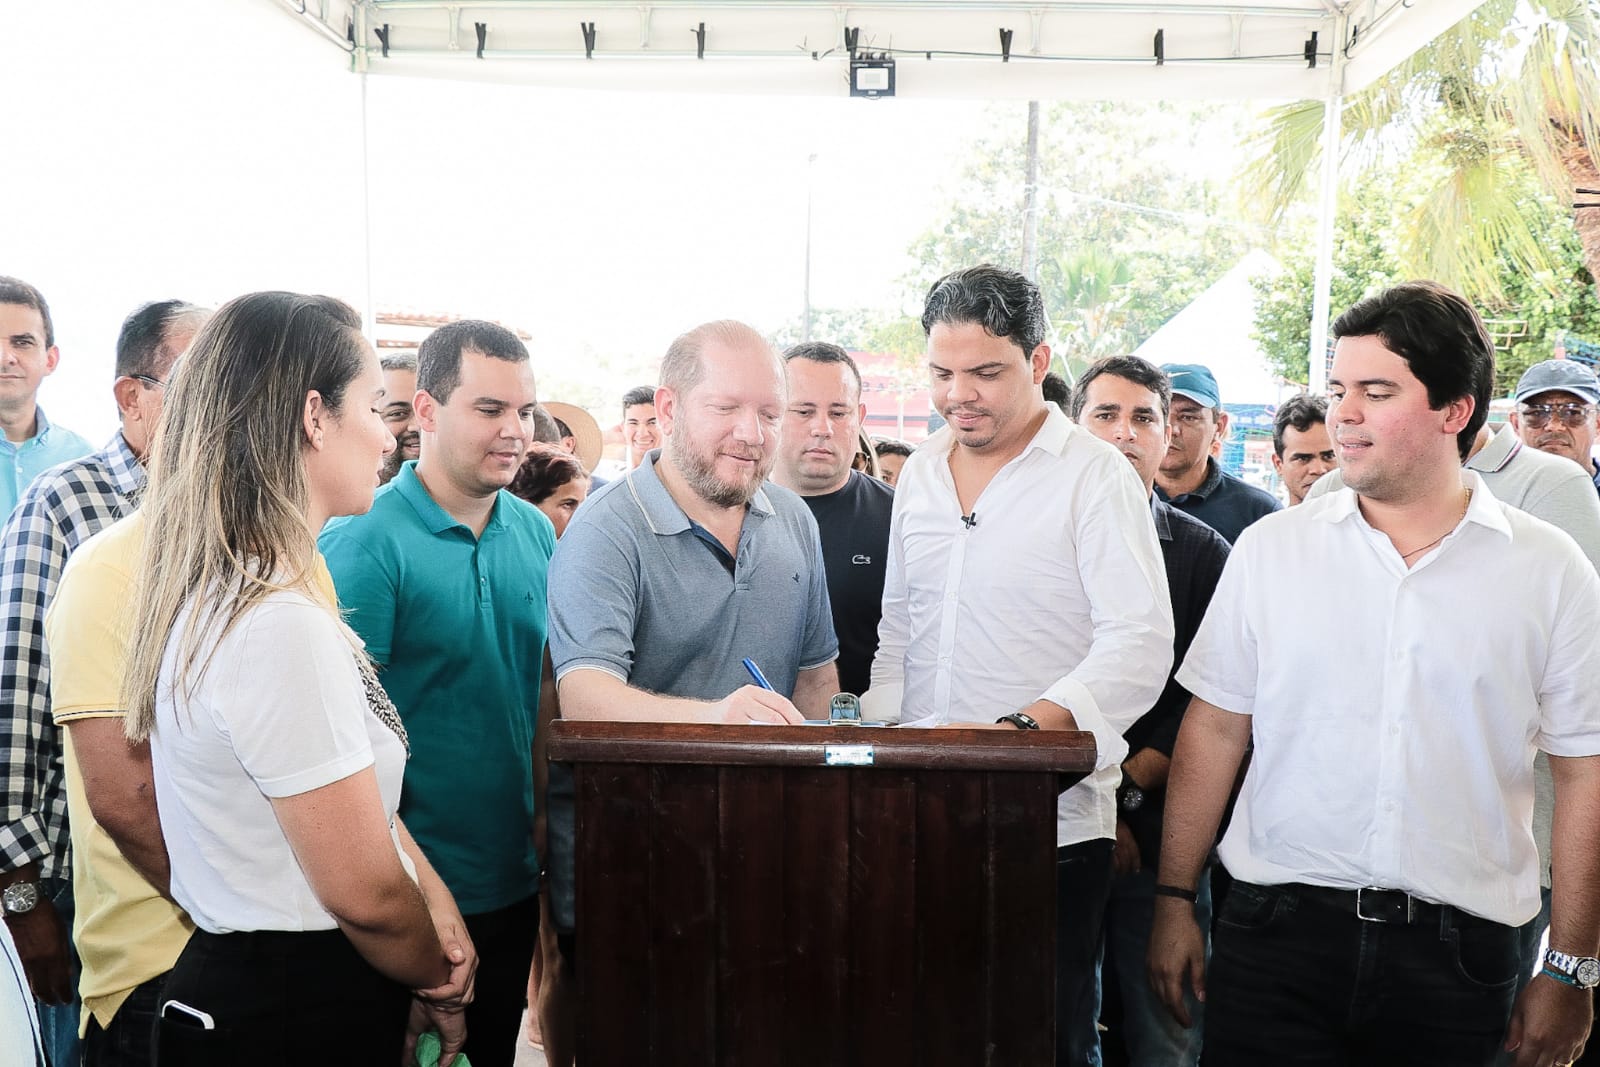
[871, 73]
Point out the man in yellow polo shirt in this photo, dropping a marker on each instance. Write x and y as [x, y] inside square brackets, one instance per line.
[127, 931]
[128, 934]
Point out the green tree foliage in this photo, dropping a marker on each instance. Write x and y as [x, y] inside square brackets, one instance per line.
[846, 327]
[1525, 315]
[1129, 230]
[1505, 101]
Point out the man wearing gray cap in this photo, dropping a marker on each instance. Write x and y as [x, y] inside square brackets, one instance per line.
[1556, 411]
[1189, 478]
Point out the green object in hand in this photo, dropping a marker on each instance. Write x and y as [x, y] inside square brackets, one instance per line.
[428, 1049]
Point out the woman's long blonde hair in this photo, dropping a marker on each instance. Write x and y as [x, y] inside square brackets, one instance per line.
[225, 510]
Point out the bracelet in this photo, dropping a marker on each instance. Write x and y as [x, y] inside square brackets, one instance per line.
[1163, 890]
[1550, 972]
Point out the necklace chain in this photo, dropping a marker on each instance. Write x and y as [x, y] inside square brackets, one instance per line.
[1466, 501]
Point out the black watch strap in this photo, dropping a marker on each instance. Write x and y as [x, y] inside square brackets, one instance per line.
[1020, 721]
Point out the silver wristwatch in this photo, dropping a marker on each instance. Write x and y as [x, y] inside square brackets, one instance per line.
[1580, 971]
[19, 898]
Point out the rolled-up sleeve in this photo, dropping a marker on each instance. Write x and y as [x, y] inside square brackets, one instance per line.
[1125, 580]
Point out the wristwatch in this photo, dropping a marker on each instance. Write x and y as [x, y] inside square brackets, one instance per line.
[1580, 971]
[19, 898]
[1019, 720]
[1130, 794]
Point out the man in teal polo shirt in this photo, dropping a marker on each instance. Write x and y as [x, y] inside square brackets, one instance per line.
[444, 579]
[29, 444]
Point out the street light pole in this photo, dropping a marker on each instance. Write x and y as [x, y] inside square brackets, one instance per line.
[805, 329]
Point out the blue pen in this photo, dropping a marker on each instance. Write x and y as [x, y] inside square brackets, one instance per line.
[755, 673]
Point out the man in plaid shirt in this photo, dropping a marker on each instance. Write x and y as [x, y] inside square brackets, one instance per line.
[62, 508]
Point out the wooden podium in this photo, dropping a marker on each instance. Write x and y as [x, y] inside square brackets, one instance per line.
[818, 895]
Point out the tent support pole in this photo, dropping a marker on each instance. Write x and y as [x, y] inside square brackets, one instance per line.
[1327, 214]
[1322, 294]
[369, 318]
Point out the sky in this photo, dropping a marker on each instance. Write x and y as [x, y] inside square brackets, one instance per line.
[201, 149]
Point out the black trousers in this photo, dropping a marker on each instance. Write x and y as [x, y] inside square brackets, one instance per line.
[278, 997]
[1083, 885]
[505, 940]
[1296, 981]
[130, 1040]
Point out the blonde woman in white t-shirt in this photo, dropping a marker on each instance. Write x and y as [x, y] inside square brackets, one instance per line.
[322, 931]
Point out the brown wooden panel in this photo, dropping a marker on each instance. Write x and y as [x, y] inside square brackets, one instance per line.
[1020, 920]
[682, 906]
[951, 888]
[883, 908]
[750, 874]
[613, 893]
[816, 845]
[1069, 752]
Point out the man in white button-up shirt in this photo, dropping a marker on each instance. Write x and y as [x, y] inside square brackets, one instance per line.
[1025, 585]
[1383, 843]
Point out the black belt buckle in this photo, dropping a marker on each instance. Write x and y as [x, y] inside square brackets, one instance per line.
[1377, 905]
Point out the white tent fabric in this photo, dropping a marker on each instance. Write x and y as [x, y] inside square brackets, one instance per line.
[1215, 330]
[1043, 50]
[1254, 49]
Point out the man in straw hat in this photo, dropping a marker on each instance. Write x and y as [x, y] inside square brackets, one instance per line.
[580, 435]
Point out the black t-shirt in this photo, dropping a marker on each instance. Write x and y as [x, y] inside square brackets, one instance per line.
[854, 523]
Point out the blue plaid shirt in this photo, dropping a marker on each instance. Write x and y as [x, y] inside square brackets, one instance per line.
[60, 510]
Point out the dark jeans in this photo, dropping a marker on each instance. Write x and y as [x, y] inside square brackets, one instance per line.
[1083, 882]
[1143, 1032]
[58, 1023]
[1297, 981]
[505, 940]
[130, 1040]
[277, 998]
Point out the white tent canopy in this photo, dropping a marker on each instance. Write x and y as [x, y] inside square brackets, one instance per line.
[1215, 329]
[1254, 49]
[1044, 50]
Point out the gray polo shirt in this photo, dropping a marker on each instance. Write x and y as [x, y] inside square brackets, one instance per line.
[641, 592]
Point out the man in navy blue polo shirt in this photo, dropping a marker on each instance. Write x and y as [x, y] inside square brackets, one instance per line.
[1125, 401]
[444, 580]
[669, 578]
[1190, 479]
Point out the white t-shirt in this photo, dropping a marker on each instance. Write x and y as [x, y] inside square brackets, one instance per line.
[278, 710]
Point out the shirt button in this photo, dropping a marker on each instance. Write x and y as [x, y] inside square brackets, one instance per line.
[1394, 729]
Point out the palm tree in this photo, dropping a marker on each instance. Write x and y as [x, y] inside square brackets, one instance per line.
[1511, 90]
[1088, 291]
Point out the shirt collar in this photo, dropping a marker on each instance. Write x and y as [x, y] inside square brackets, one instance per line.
[1500, 450]
[1205, 489]
[1054, 433]
[126, 472]
[663, 514]
[1052, 437]
[435, 518]
[41, 425]
[1483, 509]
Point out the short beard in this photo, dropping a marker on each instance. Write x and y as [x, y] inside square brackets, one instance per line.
[702, 477]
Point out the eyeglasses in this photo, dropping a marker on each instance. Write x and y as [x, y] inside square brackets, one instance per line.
[146, 379]
[1538, 415]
